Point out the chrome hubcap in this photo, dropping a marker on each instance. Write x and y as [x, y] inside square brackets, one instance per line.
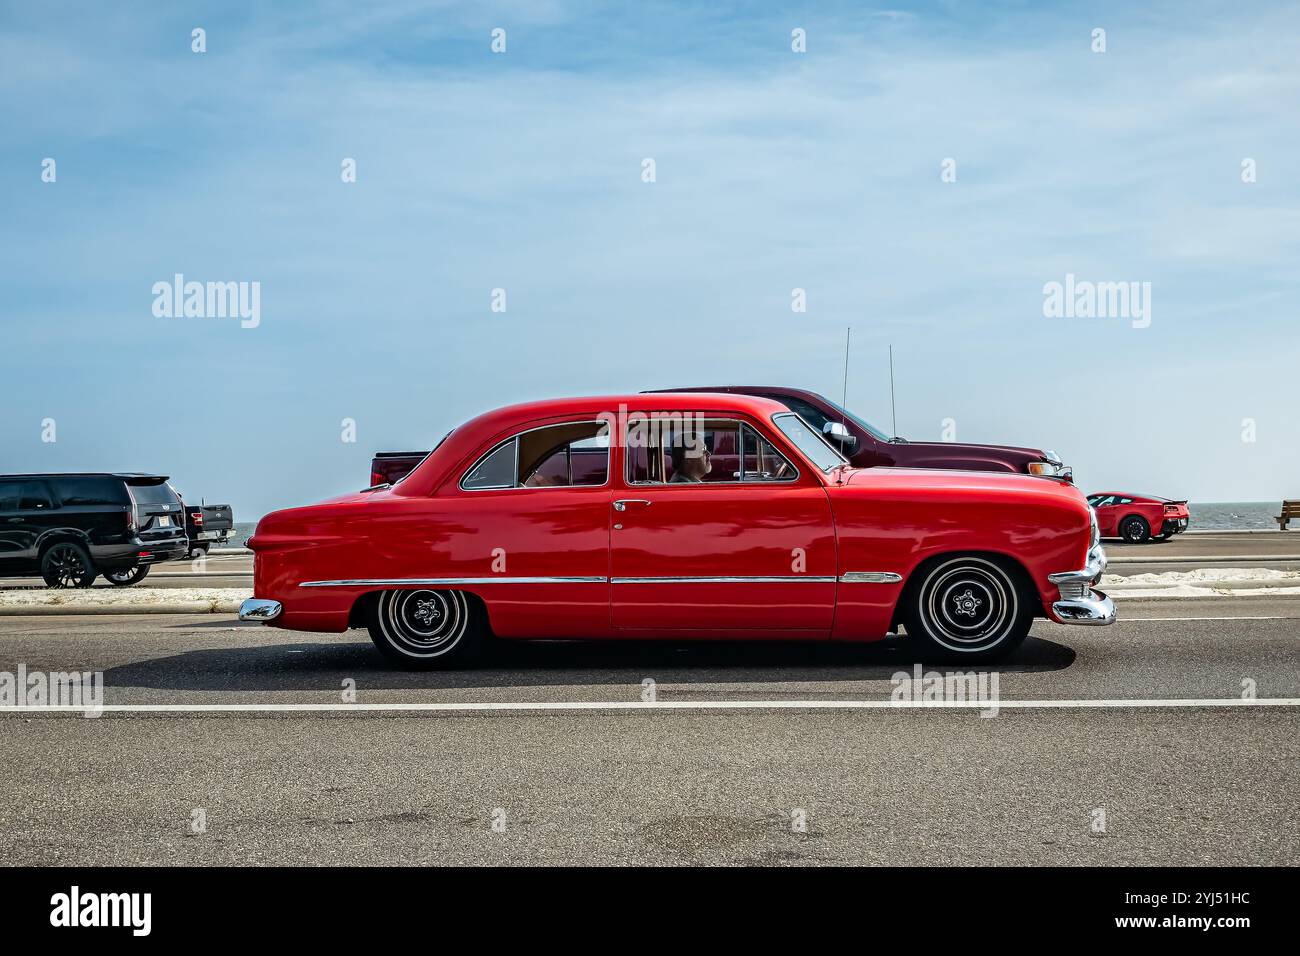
[968, 604]
[423, 623]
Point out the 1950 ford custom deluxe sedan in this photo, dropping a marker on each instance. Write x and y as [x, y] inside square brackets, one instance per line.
[679, 516]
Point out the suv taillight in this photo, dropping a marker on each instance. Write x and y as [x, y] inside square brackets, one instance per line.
[130, 520]
[197, 516]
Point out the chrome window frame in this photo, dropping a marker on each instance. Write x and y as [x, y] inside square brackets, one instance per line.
[834, 451]
[740, 442]
[609, 461]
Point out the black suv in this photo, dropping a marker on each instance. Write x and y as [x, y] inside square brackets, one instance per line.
[70, 528]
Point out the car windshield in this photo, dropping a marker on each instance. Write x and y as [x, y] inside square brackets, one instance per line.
[813, 446]
[859, 420]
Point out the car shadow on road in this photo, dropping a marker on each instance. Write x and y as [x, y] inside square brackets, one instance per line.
[322, 665]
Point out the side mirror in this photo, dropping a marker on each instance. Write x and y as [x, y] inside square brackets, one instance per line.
[837, 434]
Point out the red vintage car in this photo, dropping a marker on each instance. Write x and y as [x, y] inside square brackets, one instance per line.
[1138, 518]
[679, 516]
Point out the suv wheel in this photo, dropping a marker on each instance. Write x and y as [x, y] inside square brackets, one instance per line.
[126, 576]
[67, 565]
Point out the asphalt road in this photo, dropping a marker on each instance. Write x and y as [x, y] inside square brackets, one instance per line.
[1177, 786]
[1265, 549]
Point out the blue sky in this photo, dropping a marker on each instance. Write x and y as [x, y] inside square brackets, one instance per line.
[522, 171]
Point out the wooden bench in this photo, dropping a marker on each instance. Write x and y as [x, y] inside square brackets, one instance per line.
[1290, 509]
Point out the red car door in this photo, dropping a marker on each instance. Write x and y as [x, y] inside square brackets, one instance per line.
[747, 545]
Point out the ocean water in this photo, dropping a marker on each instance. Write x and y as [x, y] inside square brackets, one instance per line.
[1233, 515]
[1205, 516]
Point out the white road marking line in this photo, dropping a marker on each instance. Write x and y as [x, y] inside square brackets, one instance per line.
[1280, 617]
[1122, 558]
[1185, 703]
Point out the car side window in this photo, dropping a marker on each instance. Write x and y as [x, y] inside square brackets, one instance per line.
[86, 491]
[574, 454]
[8, 496]
[676, 448]
[34, 496]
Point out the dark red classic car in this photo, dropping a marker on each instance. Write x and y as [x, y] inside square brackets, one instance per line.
[1138, 518]
[680, 516]
[865, 445]
[862, 443]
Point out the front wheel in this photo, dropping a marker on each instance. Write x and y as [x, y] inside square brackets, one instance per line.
[127, 576]
[1134, 530]
[968, 609]
[426, 629]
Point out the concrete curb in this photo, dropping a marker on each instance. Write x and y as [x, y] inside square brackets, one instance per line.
[56, 610]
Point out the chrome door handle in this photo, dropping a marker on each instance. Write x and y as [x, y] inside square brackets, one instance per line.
[622, 503]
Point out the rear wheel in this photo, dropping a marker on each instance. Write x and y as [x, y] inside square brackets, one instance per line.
[970, 609]
[67, 565]
[426, 629]
[127, 576]
[1134, 529]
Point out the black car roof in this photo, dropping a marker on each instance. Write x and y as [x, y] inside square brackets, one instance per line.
[137, 476]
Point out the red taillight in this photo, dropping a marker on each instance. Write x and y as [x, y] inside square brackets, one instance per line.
[197, 516]
[130, 521]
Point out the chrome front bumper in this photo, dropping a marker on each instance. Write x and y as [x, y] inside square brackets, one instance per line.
[1079, 603]
[259, 609]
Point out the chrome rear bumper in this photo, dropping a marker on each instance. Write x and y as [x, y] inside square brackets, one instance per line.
[259, 609]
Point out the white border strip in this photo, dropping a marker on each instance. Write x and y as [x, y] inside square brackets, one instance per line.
[580, 705]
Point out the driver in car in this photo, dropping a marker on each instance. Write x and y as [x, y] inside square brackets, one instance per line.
[691, 459]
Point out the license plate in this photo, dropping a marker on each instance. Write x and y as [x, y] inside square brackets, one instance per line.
[165, 521]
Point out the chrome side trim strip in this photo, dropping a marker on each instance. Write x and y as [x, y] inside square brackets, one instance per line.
[445, 582]
[452, 582]
[728, 579]
[870, 577]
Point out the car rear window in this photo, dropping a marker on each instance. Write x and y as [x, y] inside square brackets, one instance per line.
[159, 494]
[86, 491]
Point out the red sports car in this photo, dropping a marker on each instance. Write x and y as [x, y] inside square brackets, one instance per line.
[1137, 518]
[677, 516]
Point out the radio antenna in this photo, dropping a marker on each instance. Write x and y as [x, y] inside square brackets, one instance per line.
[893, 412]
[844, 399]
